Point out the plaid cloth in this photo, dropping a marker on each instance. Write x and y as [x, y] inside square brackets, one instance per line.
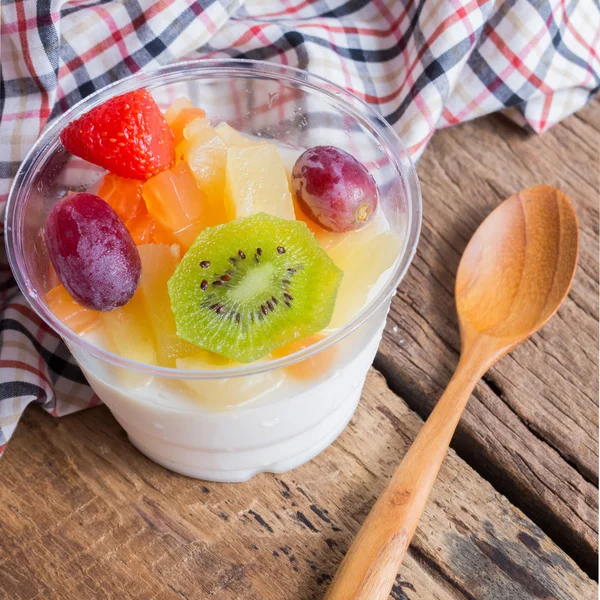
[424, 64]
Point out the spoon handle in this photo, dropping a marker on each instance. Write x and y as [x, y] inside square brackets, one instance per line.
[371, 564]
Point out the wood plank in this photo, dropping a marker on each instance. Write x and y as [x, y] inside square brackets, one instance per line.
[84, 515]
[532, 425]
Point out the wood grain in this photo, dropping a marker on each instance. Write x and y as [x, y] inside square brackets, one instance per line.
[84, 515]
[532, 425]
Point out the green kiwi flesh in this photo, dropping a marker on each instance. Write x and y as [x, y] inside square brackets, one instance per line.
[252, 285]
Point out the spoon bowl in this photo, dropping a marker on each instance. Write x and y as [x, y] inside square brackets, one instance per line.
[514, 275]
[518, 267]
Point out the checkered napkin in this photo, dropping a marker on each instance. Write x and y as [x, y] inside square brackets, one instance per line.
[424, 64]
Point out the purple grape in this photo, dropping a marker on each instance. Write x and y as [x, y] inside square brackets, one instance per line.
[93, 254]
[334, 189]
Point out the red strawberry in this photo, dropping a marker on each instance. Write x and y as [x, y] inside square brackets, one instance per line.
[127, 135]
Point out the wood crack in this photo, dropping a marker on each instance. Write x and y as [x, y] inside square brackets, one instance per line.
[493, 386]
[585, 557]
[447, 577]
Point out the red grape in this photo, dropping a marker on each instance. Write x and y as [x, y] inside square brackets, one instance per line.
[334, 188]
[93, 254]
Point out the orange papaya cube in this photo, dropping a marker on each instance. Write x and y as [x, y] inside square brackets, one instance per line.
[124, 195]
[75, 316]
[174, 199]
[145, 230]
[179, 114]
[310, 368]
[141, 229]
[183, 119]
[187, 236]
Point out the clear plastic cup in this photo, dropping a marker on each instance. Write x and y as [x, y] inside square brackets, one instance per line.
[215, 424]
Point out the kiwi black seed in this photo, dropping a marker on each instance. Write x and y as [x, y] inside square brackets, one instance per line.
[267, 283]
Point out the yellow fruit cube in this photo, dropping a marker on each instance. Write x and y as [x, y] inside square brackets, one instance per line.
[363, 258]
[79, 318]
[226, 391]
[174, 109]
[206, 154]
[128, 332]
[234, 139]
[256, 181]
[158, 264]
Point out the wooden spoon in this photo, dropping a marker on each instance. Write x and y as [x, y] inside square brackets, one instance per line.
[513, 276]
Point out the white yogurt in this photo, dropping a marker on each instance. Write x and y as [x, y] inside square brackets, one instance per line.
[274, 432]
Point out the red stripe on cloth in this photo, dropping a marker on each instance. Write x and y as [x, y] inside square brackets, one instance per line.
[287, 11]
[449, 117]
[545, 112]
[463, 17]
[17, 364]
[24, 25]
[205, 18]
[117, 36]
[416, 147]
[440, 29]
[589, 47]
[497, 82]
[108, 41]
[95, 401]
[392, 30]
[31, 315]
[22, 20]
[515, 60]
[393, 24]
[29, 114]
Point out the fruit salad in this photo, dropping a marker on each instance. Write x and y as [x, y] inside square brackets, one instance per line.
[206, 249]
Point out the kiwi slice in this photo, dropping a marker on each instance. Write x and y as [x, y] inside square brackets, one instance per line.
[249, 286]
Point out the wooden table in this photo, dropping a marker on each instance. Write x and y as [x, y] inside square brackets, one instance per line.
[513, 516]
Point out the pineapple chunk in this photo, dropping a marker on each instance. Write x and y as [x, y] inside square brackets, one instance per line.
[223, 391]
[79, 318]
[234, 139]
[158, 264]
[363, 261]
[206, 154]
[256, 181]
[129, 333]
[178, 105]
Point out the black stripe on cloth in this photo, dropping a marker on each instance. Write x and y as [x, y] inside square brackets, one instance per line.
[348, 8]
[55, 363]
[72, 9]
[556, 35]
[18, 389]
[185, 19]
[48, 35]
[293, 39]
[9, 284]
[9, 168]
[23, 86]
[2, 98]
[431, 72]
[492, 81]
